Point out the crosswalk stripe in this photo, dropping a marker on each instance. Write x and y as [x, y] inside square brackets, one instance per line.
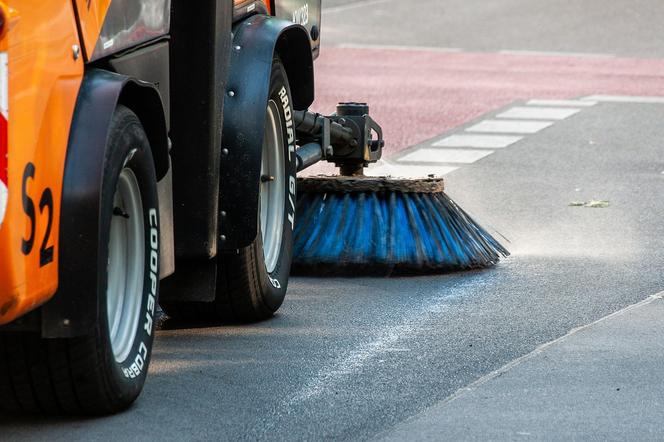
[510, 126]
[575, 103]
[384, 168]
[480, 141]
[539, 113]
[442, 155]
[625, 99]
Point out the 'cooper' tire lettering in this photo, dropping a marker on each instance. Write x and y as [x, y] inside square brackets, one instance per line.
[143, 350]
[154, 267]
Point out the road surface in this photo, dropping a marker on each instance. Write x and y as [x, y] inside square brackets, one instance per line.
[361, 359]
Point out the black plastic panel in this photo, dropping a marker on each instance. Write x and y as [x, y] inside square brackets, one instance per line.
[73, 309]
[151, 64]
[200, 44]
[304, 12]
[256, 42]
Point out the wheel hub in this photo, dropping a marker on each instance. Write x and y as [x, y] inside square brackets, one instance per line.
[126, 265]
[272, 190]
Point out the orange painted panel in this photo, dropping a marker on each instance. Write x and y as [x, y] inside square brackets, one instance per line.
[247, 3]
[43, 79]
[91, 15]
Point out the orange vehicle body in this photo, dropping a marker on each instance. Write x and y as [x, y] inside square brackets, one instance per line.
[91, 16]
[43, 77]
[243, 3]
[46, 45]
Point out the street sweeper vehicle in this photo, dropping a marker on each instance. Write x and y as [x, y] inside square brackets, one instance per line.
[141, 140]
[148, 155]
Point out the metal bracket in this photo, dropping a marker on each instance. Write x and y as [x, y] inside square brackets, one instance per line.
[350, 139]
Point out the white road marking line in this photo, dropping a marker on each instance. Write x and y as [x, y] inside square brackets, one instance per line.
[397, 47]
[327, 380]
[625, 99]
[578, 103]
[384, 168]
[510, 126]
[481, 141]
[555, 54]
[539, 113]
[355, 4]
[441, 155]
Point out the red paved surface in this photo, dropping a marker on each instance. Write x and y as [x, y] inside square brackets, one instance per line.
[420, 94]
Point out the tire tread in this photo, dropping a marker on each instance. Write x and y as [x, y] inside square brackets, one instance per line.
[239, 299]
[39, 376]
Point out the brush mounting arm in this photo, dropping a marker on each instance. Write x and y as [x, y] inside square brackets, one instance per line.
[350, 138]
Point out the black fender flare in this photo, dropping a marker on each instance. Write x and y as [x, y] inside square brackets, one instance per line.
[73, 309]
[255, 42]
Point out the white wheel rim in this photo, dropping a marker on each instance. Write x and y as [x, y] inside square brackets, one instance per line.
[126, 265]
[272, 189]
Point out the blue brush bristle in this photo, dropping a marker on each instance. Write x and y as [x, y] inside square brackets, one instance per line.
[388, 232]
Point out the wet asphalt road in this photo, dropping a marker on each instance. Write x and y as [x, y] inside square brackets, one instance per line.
[352, 358]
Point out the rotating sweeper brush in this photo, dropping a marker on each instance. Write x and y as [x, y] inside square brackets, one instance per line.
[380, 225]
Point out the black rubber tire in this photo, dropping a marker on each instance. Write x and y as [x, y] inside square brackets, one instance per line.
[80, 375]
[246, 292]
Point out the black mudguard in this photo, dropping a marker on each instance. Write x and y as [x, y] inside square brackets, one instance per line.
[256, 41]
[73, 310]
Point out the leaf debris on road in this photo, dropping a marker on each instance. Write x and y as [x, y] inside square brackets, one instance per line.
[593, 204]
